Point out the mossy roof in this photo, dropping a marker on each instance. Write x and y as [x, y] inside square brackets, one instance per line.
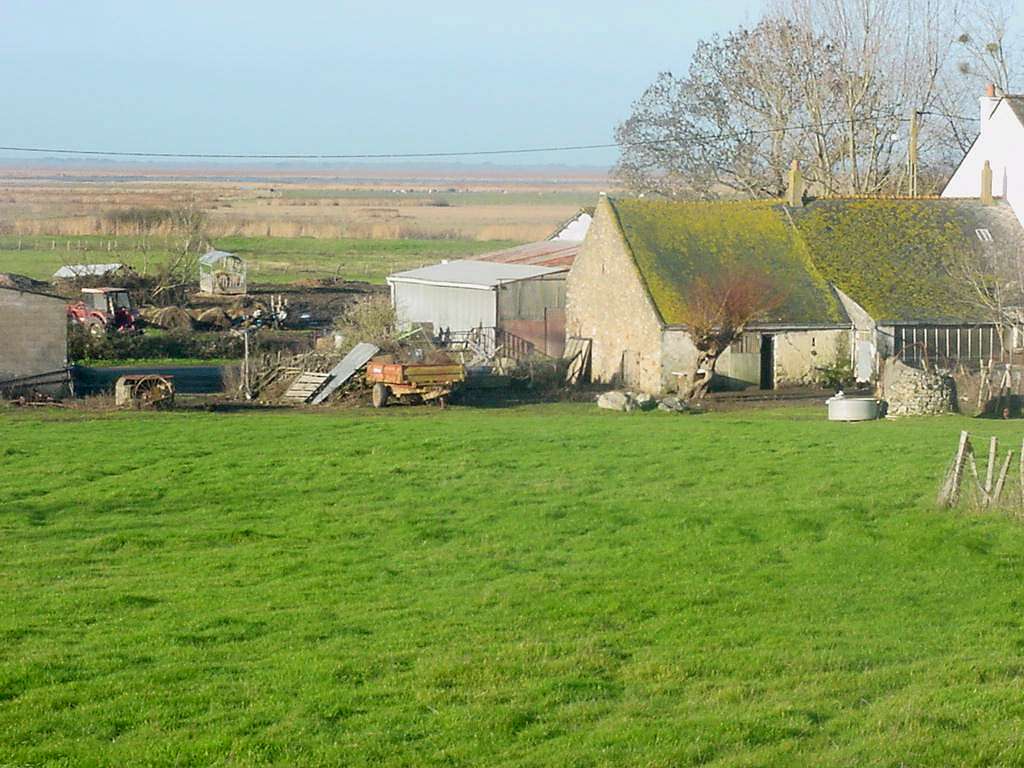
[674, 243]
[898, 258]
[893, 257]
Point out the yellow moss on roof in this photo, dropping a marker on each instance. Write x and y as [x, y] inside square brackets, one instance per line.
[675, 242]
[895, 257]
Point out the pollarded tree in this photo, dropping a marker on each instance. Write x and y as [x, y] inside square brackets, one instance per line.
[716, 313]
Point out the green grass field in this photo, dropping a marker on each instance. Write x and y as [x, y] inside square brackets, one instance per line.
[539, 586]
[271, 259]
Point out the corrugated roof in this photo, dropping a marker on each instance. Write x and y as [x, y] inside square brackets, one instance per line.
[211, 258]
[561, 232]
[547, 253]
[474, 274]
[71, 271]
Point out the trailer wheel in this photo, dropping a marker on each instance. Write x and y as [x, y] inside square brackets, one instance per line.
[380, 395]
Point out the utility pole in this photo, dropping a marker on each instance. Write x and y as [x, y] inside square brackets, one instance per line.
[915, 126]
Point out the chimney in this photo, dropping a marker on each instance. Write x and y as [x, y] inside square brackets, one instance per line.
[795, 192]
[989, 102]
[986, 183]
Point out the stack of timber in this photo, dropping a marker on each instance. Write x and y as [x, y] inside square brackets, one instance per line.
[304, 387]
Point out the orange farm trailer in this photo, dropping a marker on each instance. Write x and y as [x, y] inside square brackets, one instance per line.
[413, 382]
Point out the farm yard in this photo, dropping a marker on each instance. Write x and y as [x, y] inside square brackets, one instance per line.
[505, 387]
[540, 585]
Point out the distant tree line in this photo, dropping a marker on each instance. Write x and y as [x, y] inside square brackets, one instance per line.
[831, 83]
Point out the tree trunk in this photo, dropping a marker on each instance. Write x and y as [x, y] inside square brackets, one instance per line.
[698, 384]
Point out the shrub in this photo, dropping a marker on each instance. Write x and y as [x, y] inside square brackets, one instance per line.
[838, 373]
[371, 319]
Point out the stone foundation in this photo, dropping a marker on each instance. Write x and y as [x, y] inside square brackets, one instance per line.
[910, 391]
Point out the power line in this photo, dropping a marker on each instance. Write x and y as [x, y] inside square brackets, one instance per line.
[698, 139]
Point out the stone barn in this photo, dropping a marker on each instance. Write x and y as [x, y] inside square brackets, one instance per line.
[862, 279]
[33, 341]
[522, 301]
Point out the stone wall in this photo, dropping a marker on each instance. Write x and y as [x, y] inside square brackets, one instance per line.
[33, 334]
[799, 354]
[910, 391]
[678, 356]
[607, 302]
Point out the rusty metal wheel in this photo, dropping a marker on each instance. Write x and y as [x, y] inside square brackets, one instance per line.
[153, 392]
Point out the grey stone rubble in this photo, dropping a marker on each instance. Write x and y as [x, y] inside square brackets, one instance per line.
[617, 400]
[910, 391]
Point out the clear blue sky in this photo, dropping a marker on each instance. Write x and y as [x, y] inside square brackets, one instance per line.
[338, 77]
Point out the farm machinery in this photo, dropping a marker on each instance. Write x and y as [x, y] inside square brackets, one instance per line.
[144, 390]
[103, 309]
[412, 382]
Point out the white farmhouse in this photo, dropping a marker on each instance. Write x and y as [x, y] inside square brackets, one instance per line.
[1000, 143]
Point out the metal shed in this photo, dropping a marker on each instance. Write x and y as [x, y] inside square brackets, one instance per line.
[222, 273]
[527, 301]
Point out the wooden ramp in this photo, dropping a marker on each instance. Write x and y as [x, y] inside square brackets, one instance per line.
[346, 369]
[305, 385]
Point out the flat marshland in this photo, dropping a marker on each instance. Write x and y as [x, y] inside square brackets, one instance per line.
[536, 586]
[287, 230]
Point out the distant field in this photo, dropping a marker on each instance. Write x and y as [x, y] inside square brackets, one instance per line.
[449, 197]
[477, 210]
[542, 586]
[272, 259]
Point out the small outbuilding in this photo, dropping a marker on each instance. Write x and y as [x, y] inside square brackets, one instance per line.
[520, 300]
[33, 341]
[222, 274]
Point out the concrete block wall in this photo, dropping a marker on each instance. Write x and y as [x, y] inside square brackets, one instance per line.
[33, 334]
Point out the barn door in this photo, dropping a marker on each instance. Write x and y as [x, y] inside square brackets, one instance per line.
[630, 367]
[767, 361]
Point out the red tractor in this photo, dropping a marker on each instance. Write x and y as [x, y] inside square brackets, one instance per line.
[103, 309]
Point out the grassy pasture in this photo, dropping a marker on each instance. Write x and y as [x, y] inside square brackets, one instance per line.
[541, 586]
[272, 259]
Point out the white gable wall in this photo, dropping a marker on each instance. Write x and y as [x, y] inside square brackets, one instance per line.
[1001, 142]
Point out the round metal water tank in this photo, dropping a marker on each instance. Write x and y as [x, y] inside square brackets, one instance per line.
[842, 408]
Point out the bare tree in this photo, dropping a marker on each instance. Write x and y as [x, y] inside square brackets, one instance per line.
[716, 313]
[994, 282]
[989, 45]
[182, 270]
[833, 83]
[732, 125]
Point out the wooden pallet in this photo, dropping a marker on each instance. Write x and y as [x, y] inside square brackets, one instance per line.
[305, 385]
